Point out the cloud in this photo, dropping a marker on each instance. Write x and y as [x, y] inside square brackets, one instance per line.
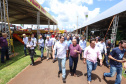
[66, 13]
[47, 9]
[40, 1]
[82, 1]
[104, 0]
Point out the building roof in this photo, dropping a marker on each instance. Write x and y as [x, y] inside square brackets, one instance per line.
[105, 18]
[25, 12]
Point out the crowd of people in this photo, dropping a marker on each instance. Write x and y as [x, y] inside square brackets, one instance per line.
[70, 46]
[63, 47]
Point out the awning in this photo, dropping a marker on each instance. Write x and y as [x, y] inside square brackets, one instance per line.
[25, 12]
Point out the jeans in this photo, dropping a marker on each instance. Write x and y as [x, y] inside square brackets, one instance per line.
[62, 68]
[106, 59]
[55, 54]
[90, 66]
[71, 61]
[81, 54]
[41, 49]
[4, 51]
[25, 50]
[113, 70]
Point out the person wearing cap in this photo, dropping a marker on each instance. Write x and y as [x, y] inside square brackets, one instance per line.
[25, 40]
[41, 46]
[4, 47]
[48, 47]
[30, 46]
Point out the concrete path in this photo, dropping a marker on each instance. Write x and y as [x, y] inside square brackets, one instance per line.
[46, 72]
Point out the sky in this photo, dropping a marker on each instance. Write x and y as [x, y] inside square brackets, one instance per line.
[66, 11]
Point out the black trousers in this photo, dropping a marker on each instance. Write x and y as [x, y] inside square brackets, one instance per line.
[31, 52]
[73, 60]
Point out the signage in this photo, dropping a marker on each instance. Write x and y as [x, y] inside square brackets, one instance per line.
[41, 9]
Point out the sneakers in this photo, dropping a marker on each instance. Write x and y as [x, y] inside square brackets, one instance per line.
[103, 76]
[59, 73]
[32, 64]
[47, 59]
[64, 80]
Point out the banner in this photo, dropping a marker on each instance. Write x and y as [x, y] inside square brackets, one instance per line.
[41, 9]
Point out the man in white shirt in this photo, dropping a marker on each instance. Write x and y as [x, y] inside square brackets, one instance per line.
[103, 49]
[25, 40]
[41, 45]
[30, 46]
[62, 48]
[48, 47]
[35, 41]
[82, 44]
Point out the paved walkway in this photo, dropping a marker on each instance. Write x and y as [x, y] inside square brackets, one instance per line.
[46, 72]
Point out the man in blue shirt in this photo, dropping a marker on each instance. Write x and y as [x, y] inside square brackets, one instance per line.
[116, 60]
[68, 42]
[82, 44]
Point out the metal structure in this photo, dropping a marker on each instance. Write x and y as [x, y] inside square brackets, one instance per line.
[38, 23]
[48, 25]
[87, 33]
[5, 19]
[53, 27]
[114, 29]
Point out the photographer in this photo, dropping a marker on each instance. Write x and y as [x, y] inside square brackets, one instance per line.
[30, 46]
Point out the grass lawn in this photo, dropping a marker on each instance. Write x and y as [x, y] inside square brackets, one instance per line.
[12, 67]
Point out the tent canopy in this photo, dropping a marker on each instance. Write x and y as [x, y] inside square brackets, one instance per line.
[25, 12]
[102, 21]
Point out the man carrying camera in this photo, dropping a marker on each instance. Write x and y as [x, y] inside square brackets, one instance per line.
[30, 46]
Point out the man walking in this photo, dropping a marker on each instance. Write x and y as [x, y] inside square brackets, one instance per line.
[90, 57]
[75, 49]
[25, 40]
[48, 47]
[109, 46]
[62, 48]
[82, 44]
[4, 47]
[68, 42]
[116, 60]
[30, 46]
[41, 45]
[34, 40]
[103, 50]
[55, 41]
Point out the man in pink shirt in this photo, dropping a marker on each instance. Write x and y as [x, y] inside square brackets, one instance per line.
[91, 54]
